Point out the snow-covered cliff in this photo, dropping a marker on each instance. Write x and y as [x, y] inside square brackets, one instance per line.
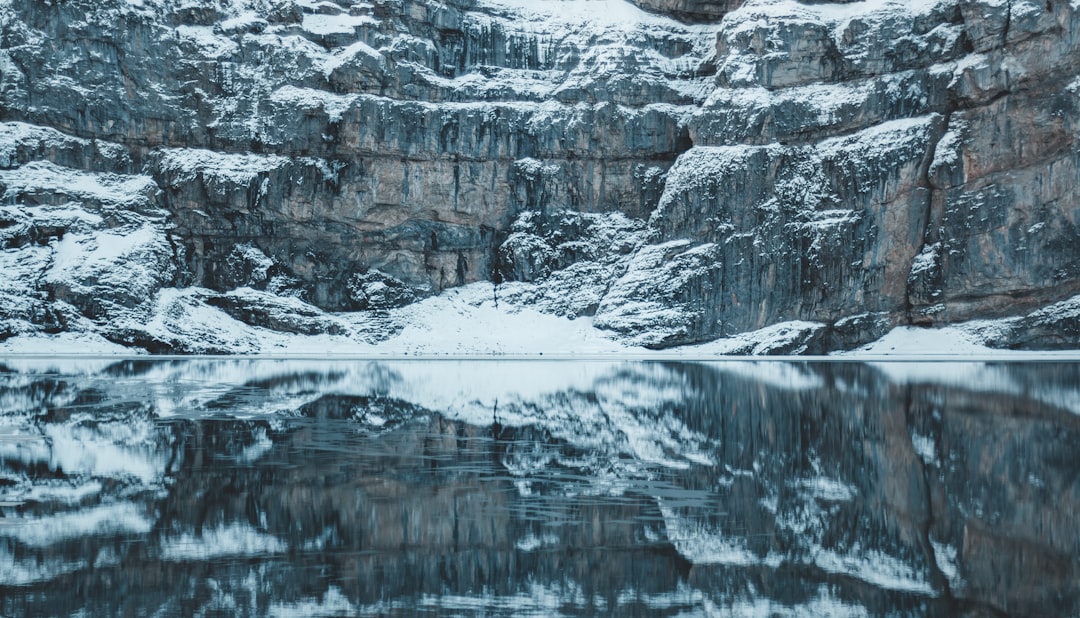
[211, 175]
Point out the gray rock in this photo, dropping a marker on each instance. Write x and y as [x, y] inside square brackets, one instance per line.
[377, 290]
[279, 313]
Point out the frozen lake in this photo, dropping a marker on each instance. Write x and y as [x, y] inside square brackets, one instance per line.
[470, 488]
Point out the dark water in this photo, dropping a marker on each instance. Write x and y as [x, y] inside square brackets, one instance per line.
[238, 487]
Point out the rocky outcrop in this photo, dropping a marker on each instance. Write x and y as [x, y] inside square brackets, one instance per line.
[690, 10]
[766, 161]
[871, 156]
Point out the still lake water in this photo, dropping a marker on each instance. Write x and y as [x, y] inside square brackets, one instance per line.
[470, 488]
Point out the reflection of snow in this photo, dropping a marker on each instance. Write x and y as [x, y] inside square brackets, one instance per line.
[824, 604]
[876, 568]
[127, 448]
[123, 449]
[110, 519]
[20, 572]
[924, 448]
[44, 491]
[945, 557]
[262, 446]
[826, 489]
[533, 542]
[609, 406]
[233, 539]
[702, 544]
[331, 603]
[985, 377]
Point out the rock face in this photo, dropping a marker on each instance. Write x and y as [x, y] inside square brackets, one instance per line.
[730, 165]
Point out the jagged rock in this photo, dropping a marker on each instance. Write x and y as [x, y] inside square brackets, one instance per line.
[1055, 327]
[280, 313]
[248, 267]
[690, 10]
[653, 303]
[850, 332]
[802, 239]
[377, 290]
[80, 247]
[182, 323]
[103, 273]
[568, 259]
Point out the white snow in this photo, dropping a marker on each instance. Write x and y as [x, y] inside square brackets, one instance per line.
[343, 23]
[756, 342]
[227, 168]
[67, 352]
[85, 252]
[242, 22]
[918, 342]
[358, 49]
[466, 323]
[829, 12]
[926, 260]
[603, 14]
[452, 324]
[909, 133]
[108, 189]
[210, 44]
[16, 135]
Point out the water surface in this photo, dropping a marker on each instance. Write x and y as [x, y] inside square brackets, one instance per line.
[285, 487]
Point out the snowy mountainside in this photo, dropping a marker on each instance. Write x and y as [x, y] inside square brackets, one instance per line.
[252, 175]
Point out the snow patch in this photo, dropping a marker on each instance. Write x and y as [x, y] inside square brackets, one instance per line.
[185, 164]
[43, 177]
[343, 23]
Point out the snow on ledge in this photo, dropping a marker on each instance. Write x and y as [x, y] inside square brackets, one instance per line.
[239, 169]
[471, 322]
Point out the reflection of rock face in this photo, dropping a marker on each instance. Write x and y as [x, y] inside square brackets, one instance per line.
[777, 160]
[658, 489]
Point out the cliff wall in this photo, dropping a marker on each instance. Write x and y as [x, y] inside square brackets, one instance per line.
[679, 170]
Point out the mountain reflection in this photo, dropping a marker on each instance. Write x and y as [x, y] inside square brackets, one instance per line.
[244, 487]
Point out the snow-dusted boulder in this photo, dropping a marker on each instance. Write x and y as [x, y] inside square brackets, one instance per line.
[104, 273]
